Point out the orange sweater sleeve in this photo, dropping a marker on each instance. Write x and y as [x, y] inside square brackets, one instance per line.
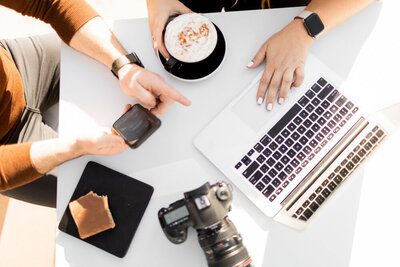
[65, 16]
[16, 167]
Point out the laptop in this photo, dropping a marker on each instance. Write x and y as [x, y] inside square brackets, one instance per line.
[290, 161]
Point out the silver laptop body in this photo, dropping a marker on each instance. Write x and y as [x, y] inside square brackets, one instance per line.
[289, 162]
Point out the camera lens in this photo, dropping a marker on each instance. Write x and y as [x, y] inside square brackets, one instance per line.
[223, 245]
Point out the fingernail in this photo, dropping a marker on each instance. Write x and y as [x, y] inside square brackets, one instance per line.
[269, 107]
[167, 59]
[281, 100]
[155, 44]
[251, 63]
[259, 100]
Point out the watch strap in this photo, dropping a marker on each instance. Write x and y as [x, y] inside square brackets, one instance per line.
[304, 14]
[131, 58]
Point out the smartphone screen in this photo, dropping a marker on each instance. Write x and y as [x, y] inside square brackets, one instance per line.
[136, 125]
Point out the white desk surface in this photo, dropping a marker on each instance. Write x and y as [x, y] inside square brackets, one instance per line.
[359, 228]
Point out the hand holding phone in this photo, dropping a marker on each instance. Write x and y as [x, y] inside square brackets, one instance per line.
[136, 125]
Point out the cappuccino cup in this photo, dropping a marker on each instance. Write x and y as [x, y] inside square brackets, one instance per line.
[196, 47]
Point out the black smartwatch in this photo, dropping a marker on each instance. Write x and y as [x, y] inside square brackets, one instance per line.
[312, 22]
[123, 60]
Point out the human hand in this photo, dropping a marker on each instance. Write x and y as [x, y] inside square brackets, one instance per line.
[146, 86]
[159, 11]
[100, 141]
[285, 53]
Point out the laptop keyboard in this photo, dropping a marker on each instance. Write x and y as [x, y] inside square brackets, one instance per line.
[340, 173]
[281, 154]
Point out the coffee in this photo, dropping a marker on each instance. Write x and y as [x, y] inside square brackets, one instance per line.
[190, 37]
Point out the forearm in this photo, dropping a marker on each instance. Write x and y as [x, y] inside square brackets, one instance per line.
[48, 154]
[97, 41]
[334, 12]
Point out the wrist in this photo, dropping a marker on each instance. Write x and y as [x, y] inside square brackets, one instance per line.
[297, 26]
[127, 68]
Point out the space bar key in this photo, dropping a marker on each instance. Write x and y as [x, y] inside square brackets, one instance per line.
[284, 120]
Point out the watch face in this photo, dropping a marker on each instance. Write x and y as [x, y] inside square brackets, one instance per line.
[314, 24]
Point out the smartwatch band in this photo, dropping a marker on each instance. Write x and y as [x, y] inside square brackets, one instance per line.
[131, 58]
[312, 23]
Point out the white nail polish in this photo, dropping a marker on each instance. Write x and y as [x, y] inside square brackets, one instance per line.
[259, 100]
[269, 107]
[281, 100]
[251, 63]
[155, 44]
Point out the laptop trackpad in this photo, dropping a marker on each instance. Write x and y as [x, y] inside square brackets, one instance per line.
[253, 115]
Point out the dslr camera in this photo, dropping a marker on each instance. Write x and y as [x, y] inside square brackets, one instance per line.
[206, 210]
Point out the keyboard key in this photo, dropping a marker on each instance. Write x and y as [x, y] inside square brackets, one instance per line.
[310, 94]
[367, 146]
[250, 152]
[288, 169]
[238, 165]
[338, 179]
[295, 136]
[299, 211]
[303, 140]
[276, 182]
[278, 166]
[318, 190]
[313, 143]
[332, 97]
[375, 129]
[258, 147]
[373, 140]
[325, 92]
[256, 176]
[307, 123]
[344, 173]
[316, 88]
[314, 206]
[284, 120]
[301, 156]
[312, 196]
[272, 198]
[292, 126]
[315, 127]
[249, 171]
[320, 199]
[294, 163]
[306, 203]
[271, 162]
[278, 191]
[321, 121]
[267, 152]
[297, 147]
[380, 133]
[273, 146]
[277, 155]
[285, 160]
[303, 101]
[307, 150]
[309, 134]
[325, 130]
[325, 104]
[283, 149]
[355, 110]
[350, 166]
[285, 184]
[298, 170]
[261, 159]
[341, 101]
[319, 110]
[297, 120]
[282, 176]
[264, 168]
[279, 139]
[326, 193]
[246, 160]
[337, 117]
[260, 186]
[349, 105]
[291, 177]
[343, 122]
[285, 133]
[331, 124]
[307, 213]
[332, 186]
[266, 179]
[356, 159]
[324, 183]
[322, 82]
[343, 162]
[313, 117]
[316, 101]
[265, 140]
[268, 191]
[343, 111]
[303, 114]
[289, 142]
[301, 129]
[291, 153]
[327, 115]
[310, 108]
[272, 173]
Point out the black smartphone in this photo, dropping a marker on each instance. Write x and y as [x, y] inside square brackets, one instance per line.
[136, 125]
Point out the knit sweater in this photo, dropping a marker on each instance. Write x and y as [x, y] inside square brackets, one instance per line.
[66, 17]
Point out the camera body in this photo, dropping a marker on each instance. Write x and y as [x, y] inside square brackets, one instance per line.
[206, 210]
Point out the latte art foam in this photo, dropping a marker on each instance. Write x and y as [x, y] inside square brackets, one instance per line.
[190, 37]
